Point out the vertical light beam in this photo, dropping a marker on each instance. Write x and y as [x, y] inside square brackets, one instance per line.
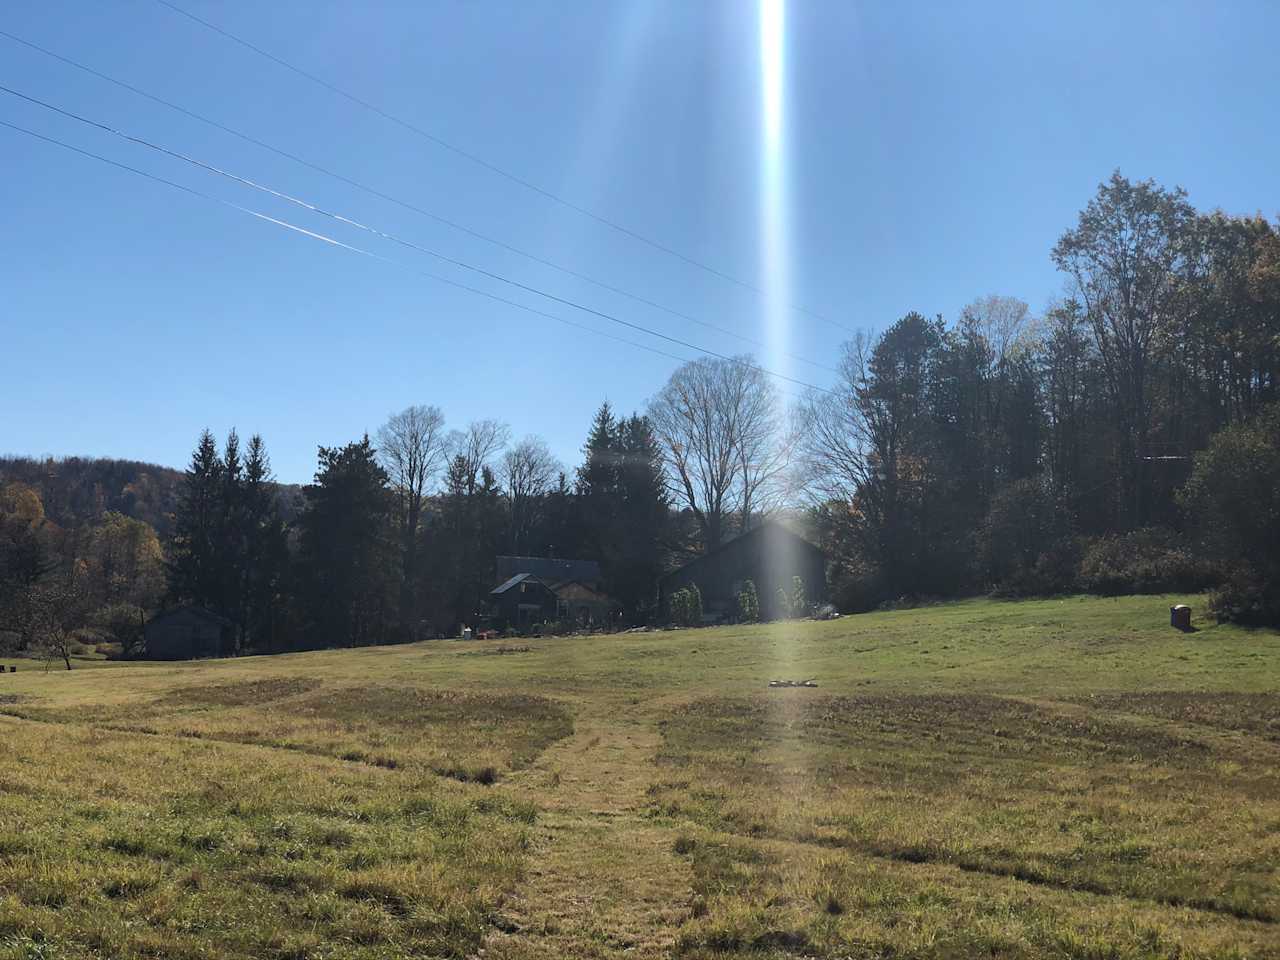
[774, 241]
[775, 263]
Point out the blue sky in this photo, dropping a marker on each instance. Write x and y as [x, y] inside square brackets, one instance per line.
[934, 152]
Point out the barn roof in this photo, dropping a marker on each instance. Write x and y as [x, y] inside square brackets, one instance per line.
[549, 569]
[743, 541]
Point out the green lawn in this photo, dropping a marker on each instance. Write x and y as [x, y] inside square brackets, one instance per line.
[1063, 778]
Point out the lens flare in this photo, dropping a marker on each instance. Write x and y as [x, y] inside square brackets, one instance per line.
[775, 252]
[773, 179]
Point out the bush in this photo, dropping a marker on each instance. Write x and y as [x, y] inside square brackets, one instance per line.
[1151, 560]
[1233, 496]
[684, 609]
[120, 623]
[857, 587]
[1055, 571]
[782, 604]
[748, 603]
[799, 606]
[1247, 597]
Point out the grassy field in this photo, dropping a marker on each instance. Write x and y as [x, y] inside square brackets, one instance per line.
[1066, 778]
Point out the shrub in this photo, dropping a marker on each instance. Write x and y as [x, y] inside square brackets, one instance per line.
[685, 606]
[1233, 495]
[798, 604]
[120, 623]
[748, 603]
[676, 607]
[1247, 597]
[695, 605]
[1055, 571]
[1151, 560]
[857, 587]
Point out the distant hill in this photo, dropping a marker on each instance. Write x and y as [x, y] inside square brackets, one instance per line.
[78, 490]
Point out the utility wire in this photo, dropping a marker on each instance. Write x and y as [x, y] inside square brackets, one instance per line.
[372, 230]
[372, 191]
[330, 240]
[425, 273]
[491, 167]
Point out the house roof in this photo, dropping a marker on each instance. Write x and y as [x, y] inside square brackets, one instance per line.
[519, 578]
[203, 612]
[576, 590]
[549, 569]
[769, 526]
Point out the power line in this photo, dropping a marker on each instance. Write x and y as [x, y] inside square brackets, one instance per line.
[425, 273]
[373, 230]
[372, 191]
[334, 242]
[490, 166]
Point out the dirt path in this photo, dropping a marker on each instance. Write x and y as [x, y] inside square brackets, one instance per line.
[603, 881]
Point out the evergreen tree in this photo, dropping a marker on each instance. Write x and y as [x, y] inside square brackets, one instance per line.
[194, 574]
[266, 554]
[636, 561]
[624, 505]
[346, 557]
[470, 532]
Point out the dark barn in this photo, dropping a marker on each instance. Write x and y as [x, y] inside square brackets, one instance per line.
[769, 555]
[186, 633]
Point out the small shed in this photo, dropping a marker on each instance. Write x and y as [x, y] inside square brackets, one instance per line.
[188, 632]
[523, 600]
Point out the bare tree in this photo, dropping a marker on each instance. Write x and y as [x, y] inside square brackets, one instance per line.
[719, 424]
[412, 448]
[839, 430]
[529, 471]
[58, 610]
[475, 447]
[1004, 322]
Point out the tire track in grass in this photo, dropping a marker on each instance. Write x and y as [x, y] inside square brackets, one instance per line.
[605, 881]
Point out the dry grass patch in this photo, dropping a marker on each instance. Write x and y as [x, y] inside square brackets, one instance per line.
[126, 847]
[1061, 802]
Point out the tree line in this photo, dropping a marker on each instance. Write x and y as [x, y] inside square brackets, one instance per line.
[1103, 446]
[1125, 440]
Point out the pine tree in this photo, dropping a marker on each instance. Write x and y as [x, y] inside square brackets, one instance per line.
[636, 560]
[346, 555]
[266, 552]
[624, 505]
[193, 571]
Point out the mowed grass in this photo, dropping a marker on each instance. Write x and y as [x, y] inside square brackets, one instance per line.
[1066, 778]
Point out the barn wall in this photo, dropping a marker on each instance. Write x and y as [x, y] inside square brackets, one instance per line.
[183, 635]
[769, 556]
